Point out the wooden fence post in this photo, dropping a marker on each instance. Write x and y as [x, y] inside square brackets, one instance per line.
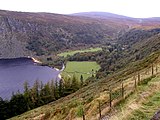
[83, 117]
[99, 110]
[152, 69]
[122, 90]
[110, 97]
[156, 68]
[139, 78]
[135, 83]
[83, 114]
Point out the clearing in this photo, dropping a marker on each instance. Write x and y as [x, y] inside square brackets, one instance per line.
[65, 54]
[86, 69]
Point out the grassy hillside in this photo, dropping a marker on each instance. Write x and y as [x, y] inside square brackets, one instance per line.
[80, 68]
[141, 105]
[88, 97]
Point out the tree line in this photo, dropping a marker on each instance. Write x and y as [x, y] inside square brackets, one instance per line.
[38, 95]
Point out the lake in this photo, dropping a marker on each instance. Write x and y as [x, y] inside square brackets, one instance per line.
[14, 72]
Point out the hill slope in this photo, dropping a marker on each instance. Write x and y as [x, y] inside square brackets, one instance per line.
[142, 105]
[39, 34]
[138, 57]
[131, 46]
[88, 97]
[132, 50]
[140, 23]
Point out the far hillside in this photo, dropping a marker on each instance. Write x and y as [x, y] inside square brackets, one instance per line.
[140, 23]
[44, 34]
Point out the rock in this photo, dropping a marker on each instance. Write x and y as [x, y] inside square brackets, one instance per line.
[156, 116]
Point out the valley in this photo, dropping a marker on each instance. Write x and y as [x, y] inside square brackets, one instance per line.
[110, 61]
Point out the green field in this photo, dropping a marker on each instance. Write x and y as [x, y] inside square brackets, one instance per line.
[64, 54]
[80, 68]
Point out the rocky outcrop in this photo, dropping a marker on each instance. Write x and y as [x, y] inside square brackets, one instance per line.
[11, 39]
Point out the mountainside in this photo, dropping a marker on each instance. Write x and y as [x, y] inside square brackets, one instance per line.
[140, 23]
[130, 53]
[130, 47]
[108, 16]
[100, 15]
[36, 34]
[94, 98]
[39, 34]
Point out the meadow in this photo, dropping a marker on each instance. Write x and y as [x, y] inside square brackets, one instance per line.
[86, 69]
[65, 54]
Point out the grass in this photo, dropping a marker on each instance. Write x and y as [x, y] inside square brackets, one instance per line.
[80, 68]
[142, 104]
[148, 108]
[80, 111]
[150, 104]
[89, 96]
[65, 54]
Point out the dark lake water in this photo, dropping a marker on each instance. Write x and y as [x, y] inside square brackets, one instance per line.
[14, 72]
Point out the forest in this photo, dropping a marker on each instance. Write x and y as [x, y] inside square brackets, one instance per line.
[38, 95]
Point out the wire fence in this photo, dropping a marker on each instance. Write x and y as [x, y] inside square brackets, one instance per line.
[122, 88]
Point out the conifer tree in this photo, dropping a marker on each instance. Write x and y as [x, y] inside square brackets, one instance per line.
[27, 95]
[75, 83]
[35, 94]
[4, 111]
[46, 93]
[18, 104]
[52, 89]
[56, 91]
[60, 88]
[81, 79]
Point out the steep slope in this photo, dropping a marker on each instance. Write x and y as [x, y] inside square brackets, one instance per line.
[131, 46]
[39, 34]
[141, 105]
[23, 34]
[146, 44]
[67, 108]
[140, 43]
